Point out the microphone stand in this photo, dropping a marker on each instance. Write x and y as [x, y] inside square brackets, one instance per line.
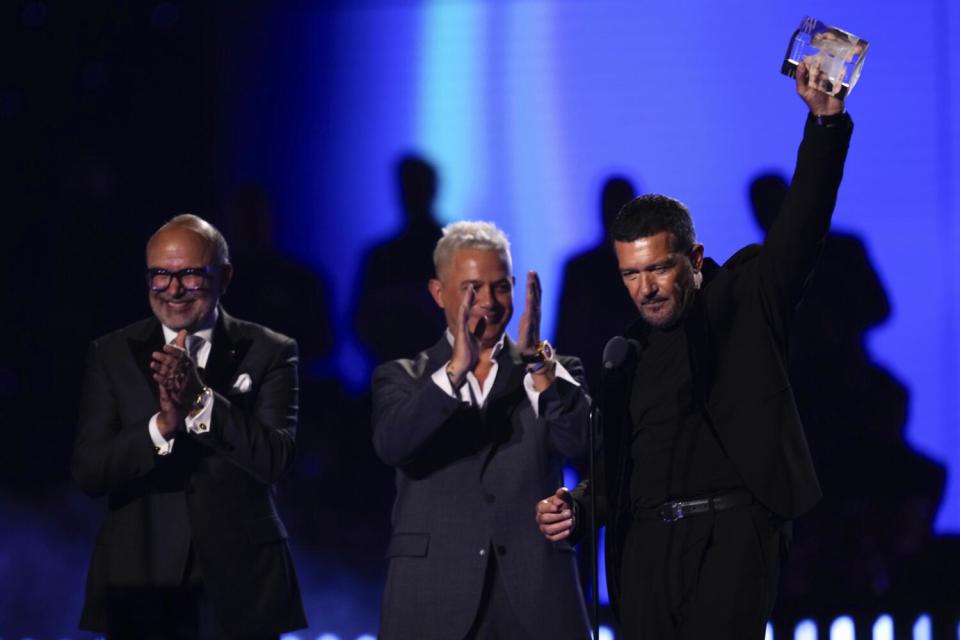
[596, 421]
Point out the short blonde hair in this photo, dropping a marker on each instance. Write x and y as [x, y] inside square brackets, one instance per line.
[469, 234]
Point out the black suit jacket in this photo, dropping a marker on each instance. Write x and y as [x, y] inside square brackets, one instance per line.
[737, 332]
[468, 481]
[213, 491]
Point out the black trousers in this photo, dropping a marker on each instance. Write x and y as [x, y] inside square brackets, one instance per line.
[709, 576]
[176, 613]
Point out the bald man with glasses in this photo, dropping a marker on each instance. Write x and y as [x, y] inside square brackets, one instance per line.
[187, 420]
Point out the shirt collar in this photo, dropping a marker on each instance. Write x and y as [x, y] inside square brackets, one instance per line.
[207, 334]
[497, 348]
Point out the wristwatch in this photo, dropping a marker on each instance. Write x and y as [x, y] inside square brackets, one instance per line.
[201, 399]
[544, 353]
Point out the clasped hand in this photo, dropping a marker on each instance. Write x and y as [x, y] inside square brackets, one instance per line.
[179, 383]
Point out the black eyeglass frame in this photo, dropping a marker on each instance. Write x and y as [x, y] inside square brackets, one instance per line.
[204, 272]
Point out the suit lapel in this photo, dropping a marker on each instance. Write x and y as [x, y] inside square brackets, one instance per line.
[226, 354]
[141, 350]
[695, 326]
[510, 371]
[438, 355]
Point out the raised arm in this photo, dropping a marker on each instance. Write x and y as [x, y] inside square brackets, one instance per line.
[795, 239]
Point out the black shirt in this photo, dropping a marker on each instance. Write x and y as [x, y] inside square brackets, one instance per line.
[675, 451]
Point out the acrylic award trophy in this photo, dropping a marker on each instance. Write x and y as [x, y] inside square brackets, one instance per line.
[837, 54]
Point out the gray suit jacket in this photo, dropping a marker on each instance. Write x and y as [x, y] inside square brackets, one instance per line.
[468, 480]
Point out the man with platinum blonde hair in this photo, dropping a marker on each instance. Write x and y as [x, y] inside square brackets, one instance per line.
[477, 427]
[471, 235]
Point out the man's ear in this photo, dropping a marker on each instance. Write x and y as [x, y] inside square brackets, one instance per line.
[226, 275]
[696, 256]
[436, 291]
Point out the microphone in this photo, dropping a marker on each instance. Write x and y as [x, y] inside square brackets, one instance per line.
[617, 352]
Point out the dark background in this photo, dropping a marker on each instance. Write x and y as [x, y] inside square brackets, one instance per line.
[117, 115]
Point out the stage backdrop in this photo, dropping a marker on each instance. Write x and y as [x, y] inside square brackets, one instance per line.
[525, 108]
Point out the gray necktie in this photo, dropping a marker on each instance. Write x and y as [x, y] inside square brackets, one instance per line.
[194, 344]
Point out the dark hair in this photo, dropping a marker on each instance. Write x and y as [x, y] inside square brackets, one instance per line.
[651, 214]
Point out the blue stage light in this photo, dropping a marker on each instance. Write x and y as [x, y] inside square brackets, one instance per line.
[805, 630]
[842, 629]
[883, 628]
[570, 478]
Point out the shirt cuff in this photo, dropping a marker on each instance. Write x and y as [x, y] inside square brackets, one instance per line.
[161, 445]
[440, 379]
[534, 396]
[199, 422]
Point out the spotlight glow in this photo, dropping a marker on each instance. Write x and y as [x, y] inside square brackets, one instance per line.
[842, 629]
[805, 630]
[883, 628]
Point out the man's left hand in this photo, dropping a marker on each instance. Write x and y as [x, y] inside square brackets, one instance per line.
[529, 337]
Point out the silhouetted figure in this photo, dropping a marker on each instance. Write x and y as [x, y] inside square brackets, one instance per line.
[395, 315]
[282, 292]
[331, 448]
[880, 496]
[594, 305]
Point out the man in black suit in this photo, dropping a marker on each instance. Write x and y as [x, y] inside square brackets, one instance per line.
[186, 421]
[705, 459]
[477, 427]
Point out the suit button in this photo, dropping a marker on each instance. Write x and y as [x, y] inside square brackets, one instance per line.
[483, 552]
[490, 498]
[501, 550]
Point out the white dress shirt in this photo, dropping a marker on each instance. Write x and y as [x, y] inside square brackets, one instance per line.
[473, 393]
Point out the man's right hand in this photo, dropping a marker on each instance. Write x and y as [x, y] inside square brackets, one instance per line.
[555, 515]
[466, 342]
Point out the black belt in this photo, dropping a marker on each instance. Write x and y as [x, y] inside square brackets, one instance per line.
[673, 510]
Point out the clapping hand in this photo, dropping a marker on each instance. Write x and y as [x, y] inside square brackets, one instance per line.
[466, 341]
[179, 383]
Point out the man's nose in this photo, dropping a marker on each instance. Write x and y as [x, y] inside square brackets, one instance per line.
[648, 285]
[484, 297]
[176, 288]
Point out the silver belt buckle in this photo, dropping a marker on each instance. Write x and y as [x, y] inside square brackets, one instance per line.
[672, 511]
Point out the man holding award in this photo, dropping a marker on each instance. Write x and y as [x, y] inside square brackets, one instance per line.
[704, 460]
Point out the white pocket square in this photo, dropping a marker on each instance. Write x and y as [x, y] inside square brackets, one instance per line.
[243, 383]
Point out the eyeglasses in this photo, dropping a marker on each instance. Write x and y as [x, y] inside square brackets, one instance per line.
[191, 279]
